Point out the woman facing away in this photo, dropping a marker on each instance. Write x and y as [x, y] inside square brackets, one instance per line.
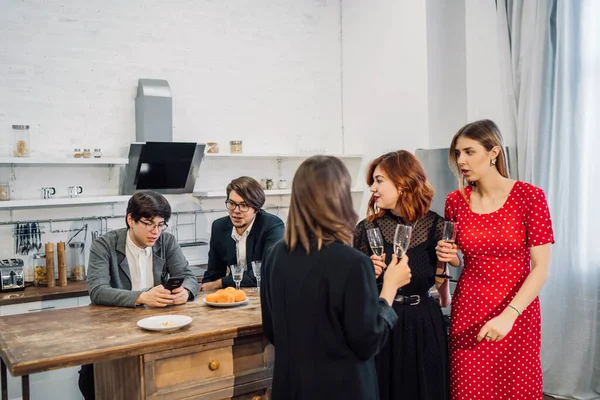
[505, 234]
[414, 362]
[320, 306]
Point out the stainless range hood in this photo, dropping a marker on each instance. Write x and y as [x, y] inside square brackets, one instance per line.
[155, 161]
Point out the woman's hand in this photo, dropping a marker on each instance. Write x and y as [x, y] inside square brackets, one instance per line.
[378, 264]
[446, 252]
[497, 328]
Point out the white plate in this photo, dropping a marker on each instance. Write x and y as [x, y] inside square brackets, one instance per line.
[225, 305]
[164, 322]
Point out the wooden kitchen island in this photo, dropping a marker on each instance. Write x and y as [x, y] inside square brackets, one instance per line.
[222, 354]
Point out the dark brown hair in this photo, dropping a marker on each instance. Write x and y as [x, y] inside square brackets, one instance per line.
[408, 175]
[249, 189]
[486, 133]
[148, 205]
[321, 207]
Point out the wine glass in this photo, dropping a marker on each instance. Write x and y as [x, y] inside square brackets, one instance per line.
[256, 270]
[449, 234]
[402, 240]
[237, 271]
[375, 241]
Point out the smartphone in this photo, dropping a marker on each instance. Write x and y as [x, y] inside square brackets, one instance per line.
[173, 283]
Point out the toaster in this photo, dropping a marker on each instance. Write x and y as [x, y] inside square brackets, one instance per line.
[12, 275]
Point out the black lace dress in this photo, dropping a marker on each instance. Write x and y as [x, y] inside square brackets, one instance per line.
[413, 365]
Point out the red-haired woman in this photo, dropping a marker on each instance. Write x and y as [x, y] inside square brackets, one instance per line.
[414, 363]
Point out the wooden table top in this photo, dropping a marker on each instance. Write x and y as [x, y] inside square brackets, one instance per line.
[37, 342]
[32, 293]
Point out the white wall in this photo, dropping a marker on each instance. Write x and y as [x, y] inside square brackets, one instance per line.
[384, 69]
[261, 71]
[485, 98]
[265, 72]
[446, 70]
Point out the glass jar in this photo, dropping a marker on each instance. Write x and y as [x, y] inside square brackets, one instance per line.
[213, 147]
[20, 140]
[39, 270]
[4, 191]
[236, 146]
[97, 153]
[77, 153]
[76, 255]
[87, 153]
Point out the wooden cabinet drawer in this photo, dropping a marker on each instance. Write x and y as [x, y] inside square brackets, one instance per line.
[203, 365]
[208, 368]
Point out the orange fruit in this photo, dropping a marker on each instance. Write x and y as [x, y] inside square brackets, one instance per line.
[240, 295]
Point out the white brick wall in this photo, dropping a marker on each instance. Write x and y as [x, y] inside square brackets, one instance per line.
[266, 72]
[262, 71]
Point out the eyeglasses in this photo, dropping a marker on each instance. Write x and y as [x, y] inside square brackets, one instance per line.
[150, 226]
[232, 205]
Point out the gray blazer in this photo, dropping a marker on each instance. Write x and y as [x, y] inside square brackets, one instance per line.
[109, 279]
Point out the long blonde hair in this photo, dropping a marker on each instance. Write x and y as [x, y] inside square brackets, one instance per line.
[321, 204]
[486, 133]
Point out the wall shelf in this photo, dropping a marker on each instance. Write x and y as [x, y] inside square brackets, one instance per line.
[229, 156]
[212, 194]
[66, 201]
[63, 161]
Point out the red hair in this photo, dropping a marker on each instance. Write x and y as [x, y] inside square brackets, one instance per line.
[407, 174]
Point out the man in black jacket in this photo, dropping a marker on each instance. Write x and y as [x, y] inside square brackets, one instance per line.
[243, 236]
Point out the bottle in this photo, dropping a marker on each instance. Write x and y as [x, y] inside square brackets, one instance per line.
[97, 153]
[4, 191]
[39, 270]
[21, 140]
[77, 261]
[87, 153]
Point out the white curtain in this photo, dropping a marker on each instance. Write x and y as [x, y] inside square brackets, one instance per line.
[550, 54]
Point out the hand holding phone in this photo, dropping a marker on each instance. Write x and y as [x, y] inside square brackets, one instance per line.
[173, 283]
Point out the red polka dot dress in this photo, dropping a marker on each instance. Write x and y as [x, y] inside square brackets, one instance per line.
[496, 263]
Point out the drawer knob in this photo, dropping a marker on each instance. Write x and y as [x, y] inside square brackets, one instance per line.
[213, 365]
[257, 398]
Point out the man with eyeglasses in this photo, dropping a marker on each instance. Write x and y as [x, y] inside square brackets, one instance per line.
[241, 237]
[129, 267]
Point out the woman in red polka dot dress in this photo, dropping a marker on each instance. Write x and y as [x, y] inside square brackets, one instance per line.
[505, 234]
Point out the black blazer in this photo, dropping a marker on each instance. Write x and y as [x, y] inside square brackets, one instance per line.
[266, 231]
[324, 316]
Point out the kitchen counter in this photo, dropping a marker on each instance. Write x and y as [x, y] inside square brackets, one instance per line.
[221, 354]
[32, 293]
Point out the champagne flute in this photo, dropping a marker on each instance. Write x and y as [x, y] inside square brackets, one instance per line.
[237, 271]
[375, 241]
[256, 269]
[402, 240]
[449, 234]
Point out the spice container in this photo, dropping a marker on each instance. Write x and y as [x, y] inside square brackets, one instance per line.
[87, 153]
[21, 140]
[213, 147]
[4, 191]
[39, 270]
[97, 153]
[77, 261]
[77, 153]
[235, 146]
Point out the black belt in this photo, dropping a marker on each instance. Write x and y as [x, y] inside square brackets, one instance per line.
[411, 300]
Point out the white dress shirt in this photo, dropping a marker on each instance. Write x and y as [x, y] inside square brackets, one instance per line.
[140, 265]
[241, 243]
